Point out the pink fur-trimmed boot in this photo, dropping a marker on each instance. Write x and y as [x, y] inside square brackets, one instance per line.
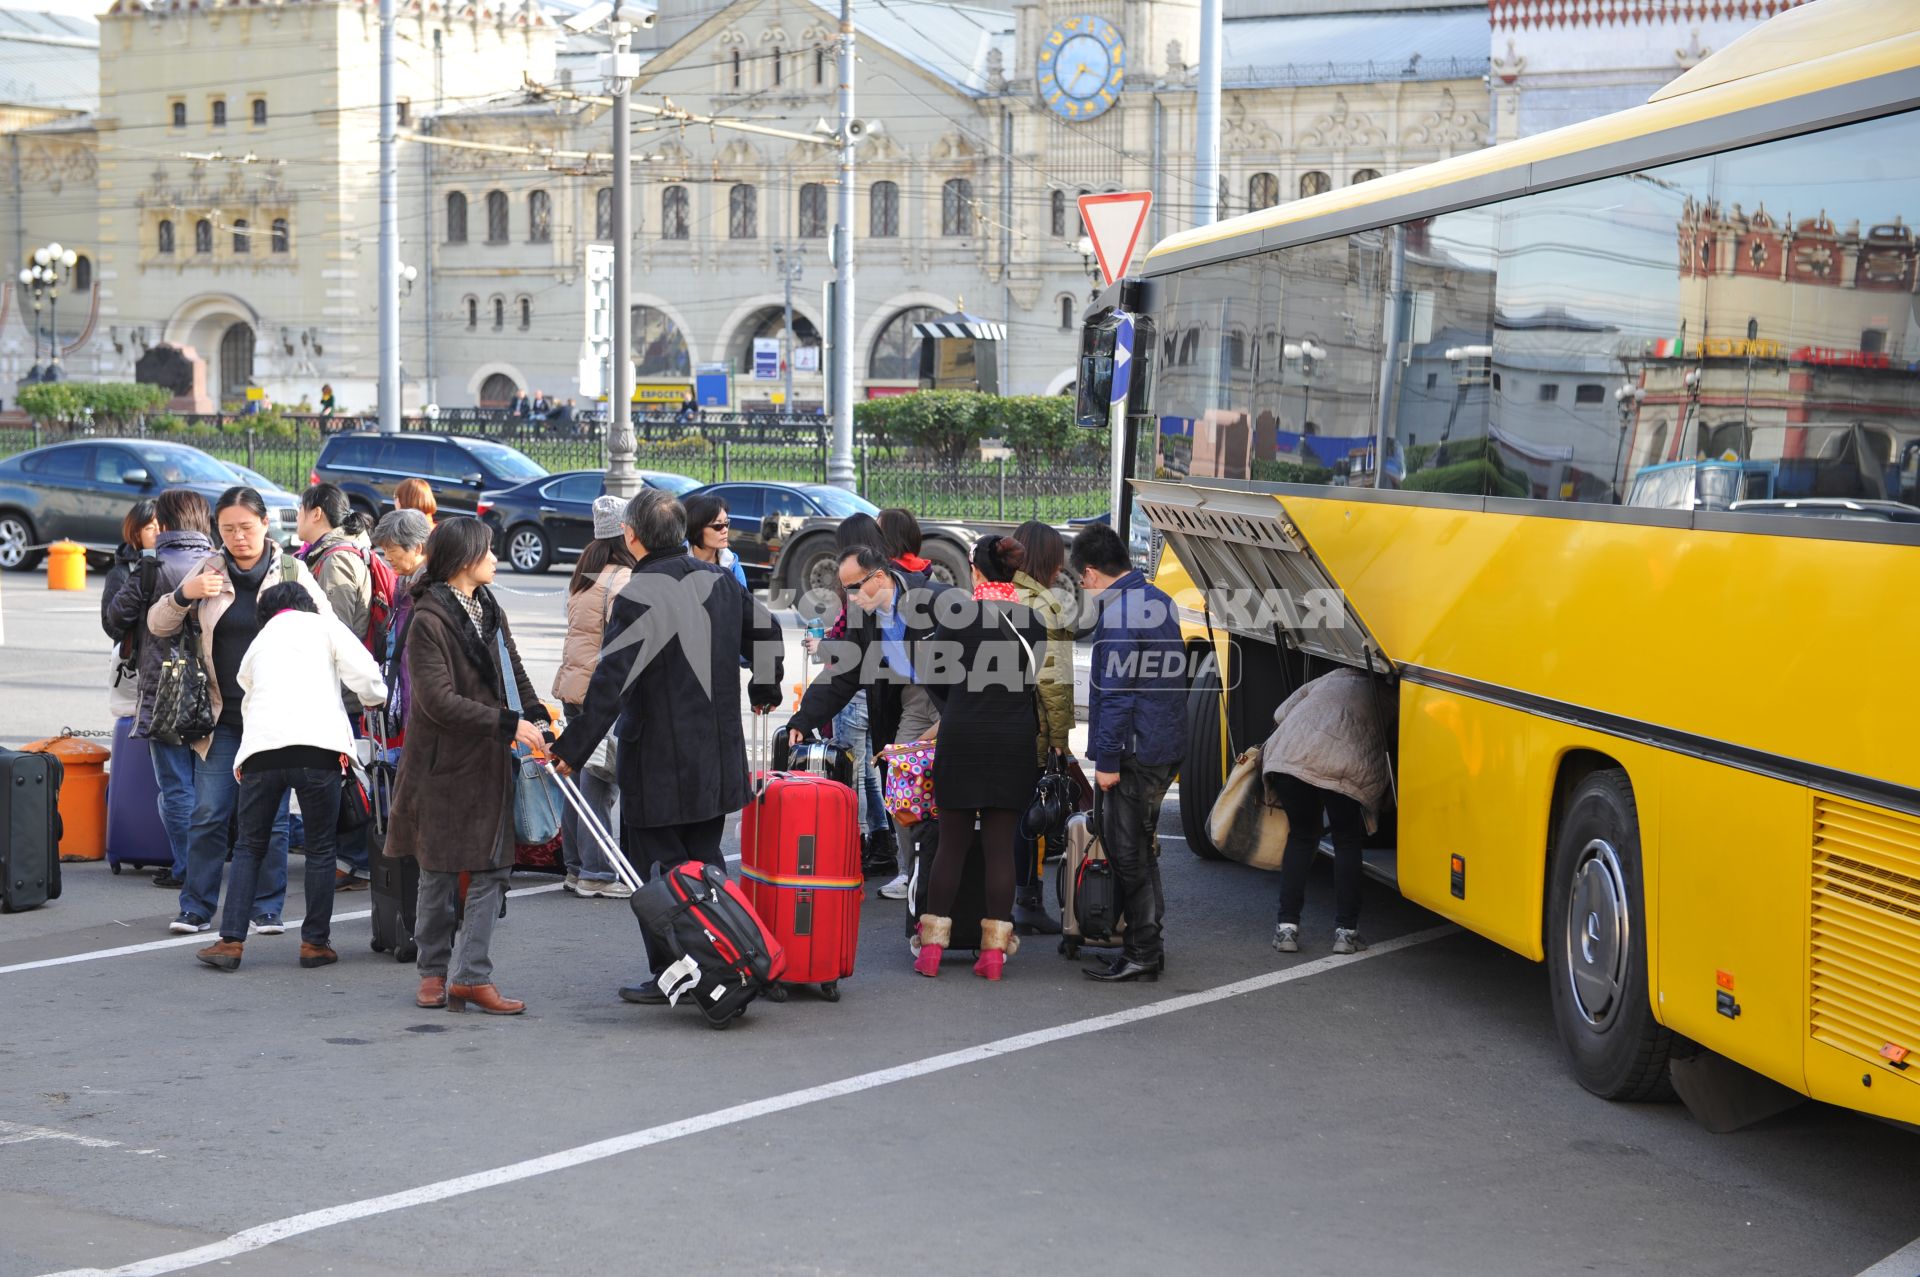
[934, 933]
[997, 944]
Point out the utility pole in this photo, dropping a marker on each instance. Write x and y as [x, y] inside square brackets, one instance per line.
[1206, 150]
[389, 283]
[789, 260]
[840, 457]
[620, 68]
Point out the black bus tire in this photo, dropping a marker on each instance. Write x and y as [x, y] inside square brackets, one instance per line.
[1201, 778]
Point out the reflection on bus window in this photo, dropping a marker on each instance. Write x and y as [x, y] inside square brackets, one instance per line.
[1757, 308]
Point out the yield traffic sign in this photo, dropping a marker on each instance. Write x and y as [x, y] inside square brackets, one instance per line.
[1113, 223]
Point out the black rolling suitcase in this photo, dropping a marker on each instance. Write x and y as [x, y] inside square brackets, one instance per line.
[969, 903]
[30, 823]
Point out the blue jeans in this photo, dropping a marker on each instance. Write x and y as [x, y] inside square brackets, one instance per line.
[578, 851]
[216, 796]
[263, 799]
[851, 730]
[173, 773]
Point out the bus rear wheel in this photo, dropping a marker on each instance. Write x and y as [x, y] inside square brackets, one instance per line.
[1597, 946]
[1201, 778]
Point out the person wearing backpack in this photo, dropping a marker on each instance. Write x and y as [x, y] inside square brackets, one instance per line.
[359, 586]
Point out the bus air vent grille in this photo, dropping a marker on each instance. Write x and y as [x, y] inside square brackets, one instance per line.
[1865, 961]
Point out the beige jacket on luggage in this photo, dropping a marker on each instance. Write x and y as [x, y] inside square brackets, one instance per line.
[1330, 734]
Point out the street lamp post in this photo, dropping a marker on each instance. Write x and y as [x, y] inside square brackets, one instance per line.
[52, 266]
[1308, 354]
[1626, 400]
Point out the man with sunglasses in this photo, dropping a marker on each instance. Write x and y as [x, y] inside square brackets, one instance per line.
[890, 612]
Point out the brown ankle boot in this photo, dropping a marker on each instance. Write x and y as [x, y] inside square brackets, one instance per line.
[224, 955]
[316, 955]
[485, 997]
[433, 991]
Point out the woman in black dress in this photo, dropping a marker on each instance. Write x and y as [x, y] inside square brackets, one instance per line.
[983, 766]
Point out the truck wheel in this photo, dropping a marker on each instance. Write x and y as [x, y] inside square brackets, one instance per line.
[813, 570]
[1597, 946]
[1201, 776]
[949, 563]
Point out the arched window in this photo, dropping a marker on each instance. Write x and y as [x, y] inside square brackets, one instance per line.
[1058, 204]
[473, 312]
[603, 213]
[1263, 191]
[203, 236]
[736, 69]
[883, 211]
[1066, 312]
[163, 240]
[1314, 182]
[496, 217]
[896, 351]
[82, 274]
[779, 67]
[179, 115]
[539, 218]
[242, 237]
[813, 211]
[456, 218]
[673, 213]
[743, 212]
[769, 322]
[658, 348]
[282, 236]
[219, 113]
[956, 207]
[259, 112]
[499, 313]
[1365, 175]
[819, 66]
[526, 313]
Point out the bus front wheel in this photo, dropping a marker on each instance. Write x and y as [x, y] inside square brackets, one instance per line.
[1201, 778]
[1597, 945]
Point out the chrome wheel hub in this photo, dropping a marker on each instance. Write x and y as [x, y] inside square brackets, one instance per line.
[525, 550]
[1598, 935]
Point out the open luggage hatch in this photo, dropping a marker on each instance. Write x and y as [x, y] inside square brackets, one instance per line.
[1258, 573]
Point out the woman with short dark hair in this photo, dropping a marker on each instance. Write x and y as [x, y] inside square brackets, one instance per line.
[709, 530]
[460, 737]
[294, 732]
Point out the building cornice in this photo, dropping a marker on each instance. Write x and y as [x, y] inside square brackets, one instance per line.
[1527, 14]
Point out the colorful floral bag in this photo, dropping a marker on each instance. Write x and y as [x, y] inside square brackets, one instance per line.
[908, 793]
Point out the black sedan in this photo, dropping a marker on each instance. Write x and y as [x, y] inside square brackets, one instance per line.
[550, 519]
[750, 504]
[80, 491]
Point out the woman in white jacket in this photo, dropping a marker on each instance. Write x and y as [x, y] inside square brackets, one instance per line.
[294, 737]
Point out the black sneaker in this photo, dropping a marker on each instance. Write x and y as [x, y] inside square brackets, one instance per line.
[165, 878]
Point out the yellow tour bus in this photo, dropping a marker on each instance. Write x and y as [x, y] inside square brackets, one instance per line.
[1601, 450]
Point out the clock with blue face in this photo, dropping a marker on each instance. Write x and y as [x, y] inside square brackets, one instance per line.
[1081, 63]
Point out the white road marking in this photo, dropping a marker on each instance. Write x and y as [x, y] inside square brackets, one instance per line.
[175, 942]
[20, 1133]
[1904, 1262]
[262, 1235]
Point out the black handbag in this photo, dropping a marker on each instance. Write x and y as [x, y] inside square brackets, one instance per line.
[356, 797]
[183, 696]
[1096, 890]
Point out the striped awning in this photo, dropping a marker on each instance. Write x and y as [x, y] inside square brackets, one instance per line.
[961, 324]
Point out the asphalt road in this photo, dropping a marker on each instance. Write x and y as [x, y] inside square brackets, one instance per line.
[1404, 1111]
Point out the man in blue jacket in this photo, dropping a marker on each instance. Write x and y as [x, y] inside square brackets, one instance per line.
[1137, 734]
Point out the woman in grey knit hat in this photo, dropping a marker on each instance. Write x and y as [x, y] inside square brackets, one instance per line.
[599, 576]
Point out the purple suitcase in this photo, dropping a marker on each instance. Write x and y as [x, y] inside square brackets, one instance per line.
[135, 834]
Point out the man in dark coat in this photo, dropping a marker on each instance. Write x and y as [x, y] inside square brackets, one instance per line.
[1136, 732]
[668, 686]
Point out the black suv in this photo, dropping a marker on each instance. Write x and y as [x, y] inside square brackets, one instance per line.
[368, 466]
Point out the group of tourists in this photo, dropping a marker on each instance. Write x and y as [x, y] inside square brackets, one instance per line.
[392, 631]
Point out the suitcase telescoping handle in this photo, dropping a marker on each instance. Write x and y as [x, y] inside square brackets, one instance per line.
[596, 829]
[760, 751]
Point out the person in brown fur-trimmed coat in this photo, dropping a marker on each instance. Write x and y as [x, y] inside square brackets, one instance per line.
[453, 797]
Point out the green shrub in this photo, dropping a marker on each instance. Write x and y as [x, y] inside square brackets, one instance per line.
[1277, 471]
[109, 404]
[1480, 476]
[950, 424]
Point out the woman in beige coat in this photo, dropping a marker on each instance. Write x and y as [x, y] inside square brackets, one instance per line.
[1327, 762]
[604, 568]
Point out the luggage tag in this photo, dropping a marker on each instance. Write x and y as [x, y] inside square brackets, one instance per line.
[678, 978]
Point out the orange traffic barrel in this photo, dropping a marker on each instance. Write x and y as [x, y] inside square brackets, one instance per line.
[66, 566]
[83, 794]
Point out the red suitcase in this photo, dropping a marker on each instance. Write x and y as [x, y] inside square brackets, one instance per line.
[800, 859]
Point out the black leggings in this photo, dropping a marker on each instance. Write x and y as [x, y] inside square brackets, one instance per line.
[997, 829]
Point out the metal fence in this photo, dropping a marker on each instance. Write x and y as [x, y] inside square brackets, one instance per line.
[738, 447]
